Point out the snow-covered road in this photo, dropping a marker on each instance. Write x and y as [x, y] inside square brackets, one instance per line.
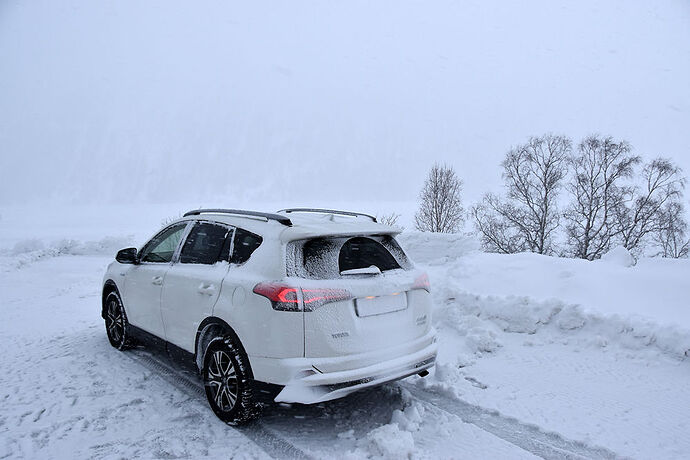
[66, 393]
[553, 393]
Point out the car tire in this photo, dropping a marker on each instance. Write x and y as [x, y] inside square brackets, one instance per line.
[116, 324]
[227, 381]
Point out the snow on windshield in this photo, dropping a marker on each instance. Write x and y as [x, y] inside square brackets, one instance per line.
[328, 257]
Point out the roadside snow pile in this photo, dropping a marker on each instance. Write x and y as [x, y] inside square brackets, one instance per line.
[387, 442]
[396, 439]
[479, 296]
[31, 250]
[480, 319]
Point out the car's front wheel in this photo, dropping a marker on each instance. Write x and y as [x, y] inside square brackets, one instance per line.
[116, 324]
[227, 382]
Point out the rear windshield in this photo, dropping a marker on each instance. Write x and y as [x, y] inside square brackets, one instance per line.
[328, 257]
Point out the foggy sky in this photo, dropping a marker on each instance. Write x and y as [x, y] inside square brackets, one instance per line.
[123, 101]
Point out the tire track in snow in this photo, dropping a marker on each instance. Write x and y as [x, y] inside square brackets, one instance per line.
[526, 436]
[274, 445]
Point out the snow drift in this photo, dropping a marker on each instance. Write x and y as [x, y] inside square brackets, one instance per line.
[609, 300]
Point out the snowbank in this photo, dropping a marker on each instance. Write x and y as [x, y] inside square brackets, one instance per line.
[33, 249]
[477, 317]
[611, 300]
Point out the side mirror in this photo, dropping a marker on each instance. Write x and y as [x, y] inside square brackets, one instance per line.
[127, 256]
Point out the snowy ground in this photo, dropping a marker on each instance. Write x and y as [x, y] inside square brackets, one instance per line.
[538, 357]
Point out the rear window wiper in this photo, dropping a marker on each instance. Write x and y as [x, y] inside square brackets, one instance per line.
[370, 270]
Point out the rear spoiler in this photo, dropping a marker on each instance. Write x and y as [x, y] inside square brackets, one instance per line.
[304, 233]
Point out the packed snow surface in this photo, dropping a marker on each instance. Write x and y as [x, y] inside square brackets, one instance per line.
[538, 356]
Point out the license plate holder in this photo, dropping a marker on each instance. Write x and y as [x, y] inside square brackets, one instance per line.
[379, 305]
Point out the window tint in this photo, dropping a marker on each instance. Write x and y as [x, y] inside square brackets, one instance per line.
[361, 252]
[321, 257]
[245, 245]
[206, 244]
[162, 247]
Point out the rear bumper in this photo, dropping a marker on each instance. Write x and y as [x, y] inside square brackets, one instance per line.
[313, 380]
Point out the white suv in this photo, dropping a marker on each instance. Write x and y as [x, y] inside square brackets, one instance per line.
[305, 305]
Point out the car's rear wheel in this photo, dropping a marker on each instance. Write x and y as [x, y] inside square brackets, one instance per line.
[227, 382]
[116, 324]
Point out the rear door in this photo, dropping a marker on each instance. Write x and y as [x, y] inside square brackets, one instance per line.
[193, 284]
[381, 310]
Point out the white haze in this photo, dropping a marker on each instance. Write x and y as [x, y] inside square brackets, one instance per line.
[167, 101]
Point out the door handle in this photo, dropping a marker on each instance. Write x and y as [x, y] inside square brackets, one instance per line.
[157, 280]
[207, 289]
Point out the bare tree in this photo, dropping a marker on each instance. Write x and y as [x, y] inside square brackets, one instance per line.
[596, 192]
[640, 214]
[527, 220]
[389, 219]
[498, 233]
[440, 208]
[671, 234]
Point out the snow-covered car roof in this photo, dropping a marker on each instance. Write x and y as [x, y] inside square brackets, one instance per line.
[304, 225]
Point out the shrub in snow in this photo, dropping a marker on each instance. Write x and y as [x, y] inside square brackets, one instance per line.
[28, 245]
[619, 256]
[389, 219]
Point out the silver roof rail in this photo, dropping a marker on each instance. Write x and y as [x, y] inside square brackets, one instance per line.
[328, 211]
[241, 212]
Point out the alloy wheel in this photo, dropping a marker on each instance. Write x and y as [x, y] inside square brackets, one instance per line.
[115, 321]
[222, 379]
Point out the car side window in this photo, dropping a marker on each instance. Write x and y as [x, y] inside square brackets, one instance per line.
[206, 244]
[245, 245]
[162, 247]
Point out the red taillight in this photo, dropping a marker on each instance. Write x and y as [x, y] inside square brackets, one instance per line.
[422, 282]
[314, 298]
[287, 298]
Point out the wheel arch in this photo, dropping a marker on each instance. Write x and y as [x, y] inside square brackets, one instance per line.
[213, 327]
[108, 287]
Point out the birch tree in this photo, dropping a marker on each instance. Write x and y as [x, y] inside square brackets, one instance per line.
[528, 217]
[440, 208]
[640, 214]
[671, 235]
[596, 190]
